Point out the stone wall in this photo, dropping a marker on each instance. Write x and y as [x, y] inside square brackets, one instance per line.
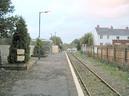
[4, 52]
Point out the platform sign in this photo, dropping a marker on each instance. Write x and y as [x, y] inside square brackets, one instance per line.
[20, 51]
[20, 58]
[20, 55]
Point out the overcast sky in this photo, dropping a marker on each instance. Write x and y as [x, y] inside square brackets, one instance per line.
[71, 19]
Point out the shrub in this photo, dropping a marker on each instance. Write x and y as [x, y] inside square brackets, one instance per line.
[20, 40]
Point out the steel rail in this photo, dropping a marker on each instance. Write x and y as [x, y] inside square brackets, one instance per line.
[79, 77]
[107, 84]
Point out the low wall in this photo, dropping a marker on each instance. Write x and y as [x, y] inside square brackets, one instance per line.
[4, 52]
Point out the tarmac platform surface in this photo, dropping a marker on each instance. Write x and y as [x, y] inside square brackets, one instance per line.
[50, 76]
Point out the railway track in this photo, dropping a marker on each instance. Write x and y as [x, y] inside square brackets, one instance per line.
[93, 84]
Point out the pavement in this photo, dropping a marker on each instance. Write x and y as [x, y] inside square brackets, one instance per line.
[50, 76]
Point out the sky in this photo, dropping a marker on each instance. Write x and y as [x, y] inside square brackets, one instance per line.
[71, 19]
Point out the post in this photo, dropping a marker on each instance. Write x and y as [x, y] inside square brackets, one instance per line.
[125, 55]
[51, 35]
[114, 53]
[39, 24]
[97, 51]
[101, 52]
[107, 53]
[55, 39]
[39, 35]
[0, 58]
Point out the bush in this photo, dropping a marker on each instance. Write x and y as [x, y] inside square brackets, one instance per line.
[20, 40]
[41, 46]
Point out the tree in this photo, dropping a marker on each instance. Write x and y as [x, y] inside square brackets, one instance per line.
[76, 43]
[78, 46]
[57, 41]
[8, 27]
[11, 25]
[66, 46]
[38, 47]
[21, 40]
[41, 46]
[5, 8]
[87, 39]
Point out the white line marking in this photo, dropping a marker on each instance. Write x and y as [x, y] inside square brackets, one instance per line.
[77, 84]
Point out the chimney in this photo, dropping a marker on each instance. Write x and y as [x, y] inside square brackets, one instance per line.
[127, 28]
[111, 27]
[98, 26]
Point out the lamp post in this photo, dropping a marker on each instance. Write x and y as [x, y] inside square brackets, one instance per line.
[39, 29]
[55, 39]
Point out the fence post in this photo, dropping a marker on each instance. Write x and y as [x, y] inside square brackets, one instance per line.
[114, 53]
[101, 53]
[93, 52]
[97, 52]
[125, 55]
[107, 53]
[0, 58]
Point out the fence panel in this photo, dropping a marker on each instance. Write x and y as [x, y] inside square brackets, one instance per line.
[117, 54]
[120, 55]
[127, 57]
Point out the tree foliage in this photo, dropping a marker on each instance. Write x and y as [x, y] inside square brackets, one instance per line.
[21, 40]
[76, 43]
[57, 41]
[5, 7]
[87, 39]
[66, 46]
[6, 25]
[41, 46]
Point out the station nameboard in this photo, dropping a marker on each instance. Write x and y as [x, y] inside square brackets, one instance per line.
[20, 58]
[20, 55]
[20, 51]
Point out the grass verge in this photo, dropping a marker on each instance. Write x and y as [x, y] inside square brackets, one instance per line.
[108, 68]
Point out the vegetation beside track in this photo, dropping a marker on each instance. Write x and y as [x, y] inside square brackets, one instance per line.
[108, 68]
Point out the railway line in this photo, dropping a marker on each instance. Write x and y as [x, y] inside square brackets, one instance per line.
[93, 84]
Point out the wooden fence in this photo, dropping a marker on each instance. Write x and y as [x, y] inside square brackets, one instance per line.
[118, 55]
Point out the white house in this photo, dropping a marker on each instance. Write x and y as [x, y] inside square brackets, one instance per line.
[72, 50]
[111, 36]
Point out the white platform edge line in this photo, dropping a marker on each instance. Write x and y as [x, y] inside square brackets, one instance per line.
[77, 84]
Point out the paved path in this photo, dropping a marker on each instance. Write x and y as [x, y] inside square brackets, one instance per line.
[51, 76]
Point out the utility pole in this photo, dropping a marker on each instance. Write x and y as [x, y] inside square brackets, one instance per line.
[55, 39]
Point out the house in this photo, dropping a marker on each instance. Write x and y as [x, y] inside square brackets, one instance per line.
[111, 36]
[72, 50]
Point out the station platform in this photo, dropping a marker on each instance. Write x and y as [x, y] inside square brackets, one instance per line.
[50, 76]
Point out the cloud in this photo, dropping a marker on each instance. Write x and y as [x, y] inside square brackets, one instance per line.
[108, 8]
[98, 8]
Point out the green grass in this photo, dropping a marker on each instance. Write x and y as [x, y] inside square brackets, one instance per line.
[108, 68]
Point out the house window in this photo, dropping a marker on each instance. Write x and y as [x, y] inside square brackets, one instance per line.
[101, 36]
[107, 36]
[117, 37]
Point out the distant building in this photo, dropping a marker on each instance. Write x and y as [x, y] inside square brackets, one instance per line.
[55, 49]
[111, 36]
[72, 50]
